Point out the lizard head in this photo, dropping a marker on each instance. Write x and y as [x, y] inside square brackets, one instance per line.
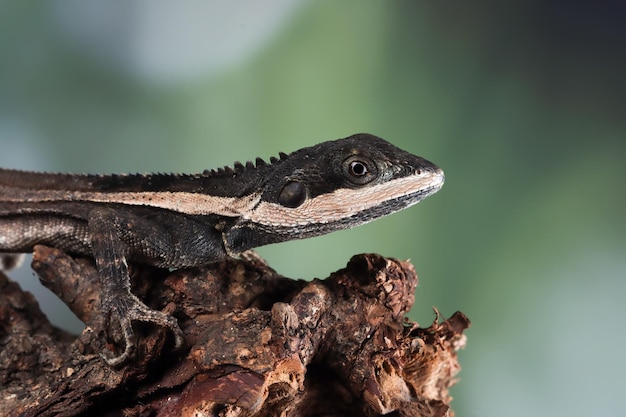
[361, 170]
[340, 184]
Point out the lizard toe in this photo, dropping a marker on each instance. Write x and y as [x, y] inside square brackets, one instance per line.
[129, 351]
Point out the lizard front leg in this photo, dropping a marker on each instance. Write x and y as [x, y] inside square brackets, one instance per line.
[113, 237]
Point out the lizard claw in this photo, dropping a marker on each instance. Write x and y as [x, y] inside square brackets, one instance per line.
[126, 314]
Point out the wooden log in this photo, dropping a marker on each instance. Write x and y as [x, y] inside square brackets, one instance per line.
[257, 344]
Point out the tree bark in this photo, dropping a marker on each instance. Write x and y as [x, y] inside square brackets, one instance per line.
[257, 344]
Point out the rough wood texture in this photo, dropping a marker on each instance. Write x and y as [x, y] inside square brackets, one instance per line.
[258, 344]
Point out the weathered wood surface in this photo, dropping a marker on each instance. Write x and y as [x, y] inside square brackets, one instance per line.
[257, 344]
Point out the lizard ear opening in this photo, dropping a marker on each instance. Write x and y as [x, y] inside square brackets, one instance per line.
[293, 194]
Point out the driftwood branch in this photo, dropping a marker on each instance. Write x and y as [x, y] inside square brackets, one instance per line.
[258, 344]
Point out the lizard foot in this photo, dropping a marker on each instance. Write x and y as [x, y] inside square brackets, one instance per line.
[125, 312]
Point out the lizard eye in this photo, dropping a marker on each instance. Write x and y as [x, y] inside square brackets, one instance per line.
[292, 195]
[359, 170]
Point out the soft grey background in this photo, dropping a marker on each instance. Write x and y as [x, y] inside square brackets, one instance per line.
[520, 102]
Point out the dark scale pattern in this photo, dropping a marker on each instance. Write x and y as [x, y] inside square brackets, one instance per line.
[42, 208]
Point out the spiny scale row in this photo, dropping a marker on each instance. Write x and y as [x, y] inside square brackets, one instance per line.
[239, 167]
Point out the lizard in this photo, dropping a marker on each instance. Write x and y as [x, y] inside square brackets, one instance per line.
[185, 220]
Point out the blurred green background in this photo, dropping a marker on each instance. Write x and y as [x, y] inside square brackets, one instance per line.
[522, 103]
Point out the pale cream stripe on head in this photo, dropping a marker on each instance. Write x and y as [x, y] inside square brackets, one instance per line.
[342, 203]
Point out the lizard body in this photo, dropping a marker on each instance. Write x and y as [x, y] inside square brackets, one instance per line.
[175, 221]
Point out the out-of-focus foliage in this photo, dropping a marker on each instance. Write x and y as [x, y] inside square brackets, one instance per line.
[521, 103]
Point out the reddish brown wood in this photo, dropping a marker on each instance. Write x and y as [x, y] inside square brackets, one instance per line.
[257, 344]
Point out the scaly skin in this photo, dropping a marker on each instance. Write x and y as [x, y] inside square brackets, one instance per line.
[174, 221]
